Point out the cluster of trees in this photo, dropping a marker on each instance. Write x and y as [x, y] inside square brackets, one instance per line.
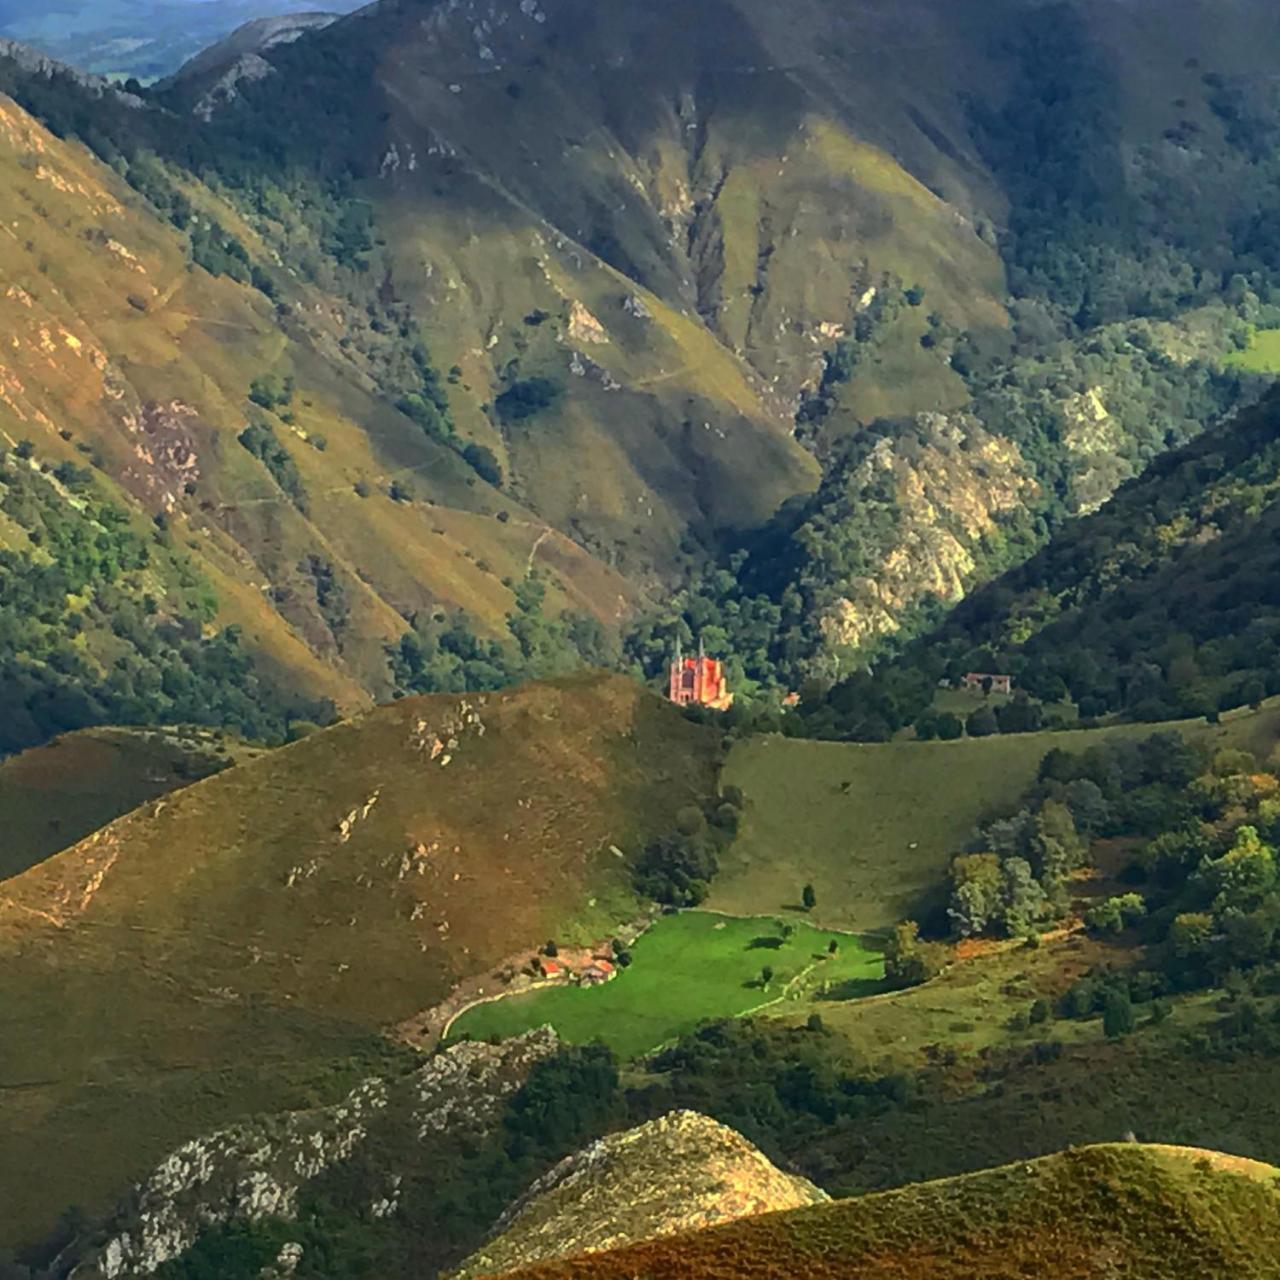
[1013, 877]
[84, 641]
[260, 439]
[442, 653]
[527, 398]
[677, 869]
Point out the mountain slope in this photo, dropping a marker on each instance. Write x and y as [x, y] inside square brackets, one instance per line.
[1160, 605]
[53, 796]
[123, 353]
[632, 291]
[262, 926]
[1135, 1211]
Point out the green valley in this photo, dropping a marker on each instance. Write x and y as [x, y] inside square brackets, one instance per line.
[393, 404]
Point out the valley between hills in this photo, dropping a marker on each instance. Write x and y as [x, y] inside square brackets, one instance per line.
[388, 399]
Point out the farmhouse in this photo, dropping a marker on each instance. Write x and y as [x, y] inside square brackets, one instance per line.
[985, 682]
[597, 973]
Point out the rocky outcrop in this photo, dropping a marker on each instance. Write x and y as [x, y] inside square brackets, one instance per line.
[678, 1173]
[37, 63]
[940, 490]
[258, 1170]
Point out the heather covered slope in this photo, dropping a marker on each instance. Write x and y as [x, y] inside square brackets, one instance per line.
[52, 796]
[1141, 1212]
[260, 927]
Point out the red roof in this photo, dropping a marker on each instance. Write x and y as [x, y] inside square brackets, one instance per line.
[604, 966]
[550, 968]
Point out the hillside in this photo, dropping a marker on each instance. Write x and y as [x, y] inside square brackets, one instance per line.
[259, 928]
[1158, 606]
[1144, 1212]
[53, 796]
[125, 396]
[676, 1174]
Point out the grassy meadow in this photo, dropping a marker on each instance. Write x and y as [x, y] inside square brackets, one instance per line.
[1262, 355]
[685, 969]
[873, 827]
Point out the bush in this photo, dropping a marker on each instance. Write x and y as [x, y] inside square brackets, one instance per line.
[526, 399]
[483, 462]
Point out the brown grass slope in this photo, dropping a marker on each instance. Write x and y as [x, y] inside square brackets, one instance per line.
[220, 949]
[1129, 1211]
[53, 796]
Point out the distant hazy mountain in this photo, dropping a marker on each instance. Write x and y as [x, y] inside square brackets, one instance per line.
[143, 38]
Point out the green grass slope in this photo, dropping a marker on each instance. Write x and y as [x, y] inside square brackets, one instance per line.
[1133, 1211]
[254, 931]
[873, 827]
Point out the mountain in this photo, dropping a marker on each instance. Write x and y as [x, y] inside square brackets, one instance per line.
[215, 72]
[1134, 1210]
[788, 307]
[679, 1173]
[144, 39]
[259, 930]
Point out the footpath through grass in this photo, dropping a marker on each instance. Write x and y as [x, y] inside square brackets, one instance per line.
[687, 968]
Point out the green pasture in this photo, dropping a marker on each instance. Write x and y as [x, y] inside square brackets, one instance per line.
[686, 968]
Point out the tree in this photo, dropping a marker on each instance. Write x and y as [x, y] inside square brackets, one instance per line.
[1116, 914]
[949, 726]
[809, 898]
[908, 960]
[483, 462]
[977, 886]
[1056, 847]
[1117, 1015]
[766, 976]
[982, 723]
[551, 949]
[1024, 899]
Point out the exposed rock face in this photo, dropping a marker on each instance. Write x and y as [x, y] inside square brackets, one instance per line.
[942, 488]
[678, 1173]
[257, 1170]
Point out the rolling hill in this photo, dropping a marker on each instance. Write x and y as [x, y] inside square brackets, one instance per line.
[1145, 1212]
[254, 933]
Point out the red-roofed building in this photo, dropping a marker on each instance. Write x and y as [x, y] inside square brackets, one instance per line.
[597, 972]
[699, 681]
[551, 969]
